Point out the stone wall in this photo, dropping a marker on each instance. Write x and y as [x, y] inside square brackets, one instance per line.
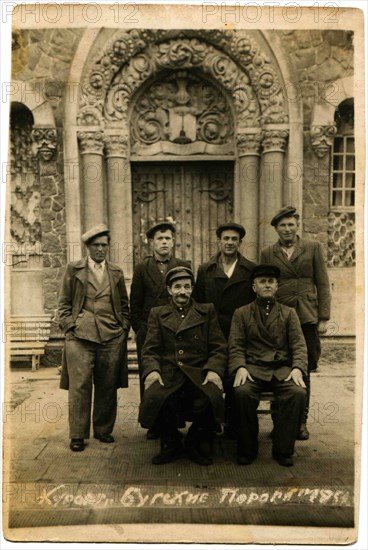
[319, 57]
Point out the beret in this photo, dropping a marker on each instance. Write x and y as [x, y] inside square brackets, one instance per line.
[230, 225]
[265, 270]
[160, 226]
[92, 233]
[179, 272]
[285, 212]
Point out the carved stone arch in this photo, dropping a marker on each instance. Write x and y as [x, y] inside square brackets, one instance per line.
[236, 53]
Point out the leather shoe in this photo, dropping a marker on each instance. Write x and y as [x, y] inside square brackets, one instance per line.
[104, 438]
[151, 435]
[77, 445]
[283, 460]
[303, 433]
[168, 454]
[245, 460]
[195, 456]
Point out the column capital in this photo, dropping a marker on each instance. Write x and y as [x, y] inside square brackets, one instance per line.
[249, 142]
[322, 137]
[274, 139]
[91, 142]
[45, 140]
[116, 146]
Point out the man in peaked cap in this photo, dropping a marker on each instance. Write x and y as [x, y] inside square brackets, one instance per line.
[184, 358]
[93, 312]
[303, 285]
[267, 351]
[149, 288]
[225, 281]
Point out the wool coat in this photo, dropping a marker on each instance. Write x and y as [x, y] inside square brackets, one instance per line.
[303, 282]
[181, 349]
[149, 290]
[226, 294]
[72, 296]
[267, 349]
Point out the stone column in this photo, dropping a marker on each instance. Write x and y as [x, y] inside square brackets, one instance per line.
[91, 148]
[271, 190]
[119, 202]
[247, 190]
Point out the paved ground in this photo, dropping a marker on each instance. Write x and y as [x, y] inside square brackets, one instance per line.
[46, 485]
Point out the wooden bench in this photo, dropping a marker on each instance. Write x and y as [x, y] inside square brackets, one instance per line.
[266, 396]
[28, 337]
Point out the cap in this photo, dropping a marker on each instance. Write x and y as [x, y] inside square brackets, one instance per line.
[162, 226]
[230, 225]
[285, 212]
[179, 272]
[100, 229]
[265, 270]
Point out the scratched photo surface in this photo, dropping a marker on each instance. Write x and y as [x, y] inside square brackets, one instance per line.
[131, 114]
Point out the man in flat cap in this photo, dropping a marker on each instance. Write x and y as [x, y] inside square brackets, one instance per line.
[267, 351]
[184, 358]
[93, 312]
[225, 281]
[303, 285]
[148, 285]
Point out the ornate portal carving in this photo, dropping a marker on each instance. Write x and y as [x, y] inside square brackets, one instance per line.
[341, 239]
[232, 58]
[275, 140]
[181, 108]
[321, 137]
[91, 142]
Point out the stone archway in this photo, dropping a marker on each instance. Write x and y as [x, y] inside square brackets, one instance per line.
[232, 59]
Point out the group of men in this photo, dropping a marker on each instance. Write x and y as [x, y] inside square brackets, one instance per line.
[223, 332]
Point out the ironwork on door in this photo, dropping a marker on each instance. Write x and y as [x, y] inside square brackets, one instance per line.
[195, 196]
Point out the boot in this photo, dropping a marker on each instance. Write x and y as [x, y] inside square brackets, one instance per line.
[171, 449]
[198, 444]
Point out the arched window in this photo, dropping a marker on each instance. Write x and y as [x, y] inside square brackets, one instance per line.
[342, 195]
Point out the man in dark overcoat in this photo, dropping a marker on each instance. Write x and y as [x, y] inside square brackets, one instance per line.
[226, 282]
[184, 358]
[93, 312]
[149, 288]
[267, 351]
[303, 285]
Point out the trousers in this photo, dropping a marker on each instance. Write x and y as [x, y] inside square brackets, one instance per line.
[92, 364]
[291, 403]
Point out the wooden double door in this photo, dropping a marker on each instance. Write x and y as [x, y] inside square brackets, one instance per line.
[195, 196]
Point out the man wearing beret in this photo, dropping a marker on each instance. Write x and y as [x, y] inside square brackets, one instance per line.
[93, 312]
[184, 358]
[148, 285]
[225, 281]
[267, 351]
[303, 285]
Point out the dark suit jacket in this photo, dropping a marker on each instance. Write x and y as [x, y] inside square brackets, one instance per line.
[303, 282]
[181, 349]
[270, 349]
[148, 289]
[72, 297]
[226, 294]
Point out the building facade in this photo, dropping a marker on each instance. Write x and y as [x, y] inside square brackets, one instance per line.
[128, 127]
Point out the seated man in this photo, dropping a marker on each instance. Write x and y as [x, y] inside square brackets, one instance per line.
[184, 358]
[267, 351]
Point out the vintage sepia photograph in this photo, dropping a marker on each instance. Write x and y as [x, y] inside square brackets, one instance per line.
[183, 259]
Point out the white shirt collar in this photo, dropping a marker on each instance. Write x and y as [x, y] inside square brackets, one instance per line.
[92, 263]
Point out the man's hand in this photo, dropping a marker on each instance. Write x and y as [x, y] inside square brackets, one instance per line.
[297, 377]
[242, 375]
[213, 377]
[322, 327]
[151, 378]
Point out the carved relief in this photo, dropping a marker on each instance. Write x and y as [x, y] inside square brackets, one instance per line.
[91, 142]
[45, 140]
[249, 143]
[274, 140]
[321, 137]
[230, 57]
[341, 239]
[116, 146]
[181, 108]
